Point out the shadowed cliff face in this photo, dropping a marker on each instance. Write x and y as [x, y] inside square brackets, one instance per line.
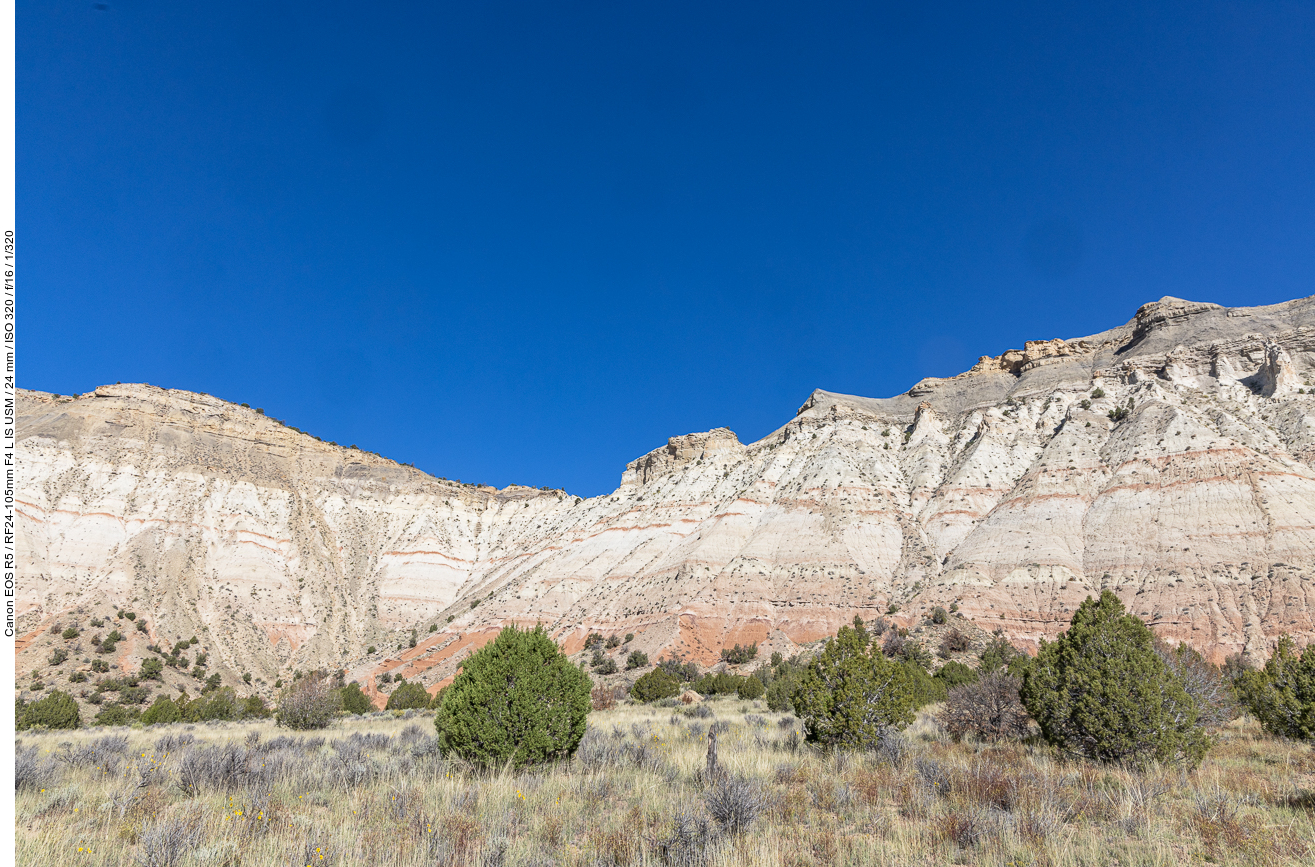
[1008, 489]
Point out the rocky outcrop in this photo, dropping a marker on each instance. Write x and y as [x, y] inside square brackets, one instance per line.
[1169, 459]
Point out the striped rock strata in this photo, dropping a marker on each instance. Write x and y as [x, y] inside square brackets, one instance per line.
[1008, 489]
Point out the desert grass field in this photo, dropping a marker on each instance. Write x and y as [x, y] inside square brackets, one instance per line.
[374, 790]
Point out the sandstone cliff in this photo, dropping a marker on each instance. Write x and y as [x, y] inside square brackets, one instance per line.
[1008, 489]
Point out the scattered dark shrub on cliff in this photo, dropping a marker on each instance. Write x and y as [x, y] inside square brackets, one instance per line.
[939, 615]
[954, 642]
[636, 659]
[738, 655]
[1100, 691]
[607, 665]
[685, 672]
[517, 699]
[1000, 654]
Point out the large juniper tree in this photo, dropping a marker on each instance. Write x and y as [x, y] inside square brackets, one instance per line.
[1100, 691]
[518, 699]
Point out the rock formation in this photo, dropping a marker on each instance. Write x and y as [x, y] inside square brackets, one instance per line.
[1171, 459]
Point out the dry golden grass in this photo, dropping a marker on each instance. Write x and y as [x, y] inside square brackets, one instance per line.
[1251, 802]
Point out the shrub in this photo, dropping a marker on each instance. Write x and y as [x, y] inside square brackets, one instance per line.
[370, 650]
[953, 642]
[71, 632]
[518, 699]
[152, 669]
[939, 615]
[1100, 691]
[58, 656]
[1282, 694]
[1204, 682]
[722, 683]
[685, 672]
[613, 641]
[353, 700]
[254, 706]
[56, 711]
[116, 715]
[607, 665]
[77, 677]
[926, 689]
[849, 694]
[738, 655]
[734, 803]
[655, 685]
[751, 688]
[408, 696]
[593, 640]
[988, 709]
[1000, 654]
[630, 636]
[100, 666]
[780, 695]
[162, 710]
[954, 674]
[308, 703]
[636, 659]
[602, 698]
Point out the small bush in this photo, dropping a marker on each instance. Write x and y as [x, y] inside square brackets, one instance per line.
[752, 688]
[593, 640]
[613, 641]
[848, 695]
[56, 711]
[939, 615]
[58, 656]
[630, 636]
[655, 685]
[354, 700]
[738, 655]
[71, 632]
[636, 659]
[1282, 695]
[408, 696]
[685, 672]
[988, 709]
[152, 669]
[253, 706]
[607, 665]
[954, 642]
[518, 699]
[602, 698]
[308, 703]
[954, 674]
[370, 650]
[162, 710]
[734, 803]
[722, 683]
[116, 715]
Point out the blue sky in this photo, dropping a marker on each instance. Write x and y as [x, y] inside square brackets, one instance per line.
[527, 242]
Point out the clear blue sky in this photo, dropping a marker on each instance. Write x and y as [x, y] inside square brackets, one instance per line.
[527, 242]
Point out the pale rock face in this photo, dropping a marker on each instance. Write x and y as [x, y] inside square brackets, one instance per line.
[997, 489]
